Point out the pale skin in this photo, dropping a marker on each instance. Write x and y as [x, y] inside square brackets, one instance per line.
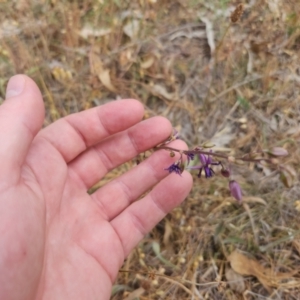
[56, 240]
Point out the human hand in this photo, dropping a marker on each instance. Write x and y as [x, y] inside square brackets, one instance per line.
[57, 241]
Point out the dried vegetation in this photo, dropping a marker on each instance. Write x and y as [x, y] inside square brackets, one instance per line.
[233, 79]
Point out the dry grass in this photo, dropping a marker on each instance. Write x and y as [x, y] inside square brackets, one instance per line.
[235, 84]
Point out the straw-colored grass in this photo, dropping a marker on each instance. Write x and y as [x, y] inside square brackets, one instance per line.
[236, 84]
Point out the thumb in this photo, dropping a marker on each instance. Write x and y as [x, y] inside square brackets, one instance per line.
[21, 117]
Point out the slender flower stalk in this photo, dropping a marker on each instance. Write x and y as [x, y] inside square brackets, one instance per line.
[207, 160]
[206, 163]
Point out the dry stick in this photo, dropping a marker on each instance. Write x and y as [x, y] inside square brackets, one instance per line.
[232, 110]
[195, 290]
[236, 86]
[181, 285]
[165, 277]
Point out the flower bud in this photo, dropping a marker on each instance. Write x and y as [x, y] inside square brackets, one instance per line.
[208, 144]
[203, 159]
[278, 151]
[181, 166]
[172, 154]
[225, 173]
[235, 190]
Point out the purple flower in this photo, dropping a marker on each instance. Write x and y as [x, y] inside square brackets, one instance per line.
[206, 163]
[175, 168]
[235, 190]
[278, 151]
[190, 156]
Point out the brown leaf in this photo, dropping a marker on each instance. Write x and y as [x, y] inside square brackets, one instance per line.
[147, 63]
[246, 139]
[160, 90]
[251, 199]
[135, 294]
[105, 79]
[288, 176]
[132, 28]
[89, 30]
[235, 280]
[244, 265]
[97, 69]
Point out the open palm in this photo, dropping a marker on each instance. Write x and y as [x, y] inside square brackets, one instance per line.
[57, 241]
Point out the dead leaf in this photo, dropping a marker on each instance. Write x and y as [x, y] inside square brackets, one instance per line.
[135, 294]
[244, 265]
[296, 244]
[88, 30]
[97, 69]
[22, 5]
[160, 90]
[235, 281]
[9, 28]
[288, 176]
[105, 79]
[126, 57]
[275, 8]
[254, 200]
[132, 28]
[147, 63]
[297, 207]
[246, 139]
[223, 137]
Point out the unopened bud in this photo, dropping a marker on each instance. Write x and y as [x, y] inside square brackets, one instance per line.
[172, 154]
[235, 190]
[181, 167]
[208, 144]
[225, 173]
[278, 151]
[203, 159]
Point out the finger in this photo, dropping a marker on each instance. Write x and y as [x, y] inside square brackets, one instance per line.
[21, 117]
[75, 133]
[93, 164]
[140, 217]
[115, 196]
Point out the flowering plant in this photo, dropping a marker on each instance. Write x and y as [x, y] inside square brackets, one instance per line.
[208, 158]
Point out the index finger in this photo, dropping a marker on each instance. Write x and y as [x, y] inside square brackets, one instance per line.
[73, 134]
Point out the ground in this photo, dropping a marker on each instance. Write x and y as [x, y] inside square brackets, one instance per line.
[235, 84]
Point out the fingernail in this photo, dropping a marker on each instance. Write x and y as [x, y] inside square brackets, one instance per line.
[15, 86]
